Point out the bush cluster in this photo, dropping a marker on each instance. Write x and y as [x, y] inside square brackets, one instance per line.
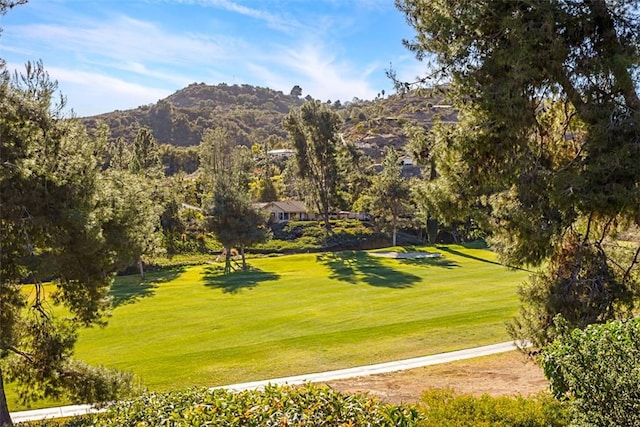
[597, 371]
[442, 408]
[313, 405]
[307, 405]
[297, 236]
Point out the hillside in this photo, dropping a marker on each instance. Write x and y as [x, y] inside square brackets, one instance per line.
[253, 113]
[180, 118]
[372, 125]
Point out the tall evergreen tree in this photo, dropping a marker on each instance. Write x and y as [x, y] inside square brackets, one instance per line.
[389, 194]
[313, 130]
[226, 174]
[52, 228]
[214, 154]
[145, 158]
[145, 190]
[235, 222]
[119, 154]
[546, 144]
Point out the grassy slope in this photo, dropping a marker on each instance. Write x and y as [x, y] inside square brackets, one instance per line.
[300, 314]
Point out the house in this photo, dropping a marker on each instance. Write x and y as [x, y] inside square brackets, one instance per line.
[351, 215]
[281, 153]
[286, 210]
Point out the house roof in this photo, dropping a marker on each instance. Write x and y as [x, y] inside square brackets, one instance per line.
[288, 206]
[292, 206]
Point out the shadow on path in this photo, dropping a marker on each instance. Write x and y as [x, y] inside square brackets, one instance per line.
[357, 266]
[130, 289]
[236, 281]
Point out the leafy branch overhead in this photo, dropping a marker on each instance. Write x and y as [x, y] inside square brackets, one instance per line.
[547, 140]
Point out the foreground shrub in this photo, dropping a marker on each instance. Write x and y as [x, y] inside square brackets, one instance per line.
[443, 408]
[307, 405]
[598, 371]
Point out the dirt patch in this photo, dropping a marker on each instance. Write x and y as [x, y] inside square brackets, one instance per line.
[499, 375]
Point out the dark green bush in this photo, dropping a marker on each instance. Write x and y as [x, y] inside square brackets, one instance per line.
[443, 408]
[302, 236]
[598, 371]
[312, 405]
[307, 405]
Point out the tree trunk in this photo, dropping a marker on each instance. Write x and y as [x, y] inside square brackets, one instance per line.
[141, 267]
[244, 262]
[395, 232]
[227, 261]
[432, 230]
[5, 416]
[323, 208]
[327, 224]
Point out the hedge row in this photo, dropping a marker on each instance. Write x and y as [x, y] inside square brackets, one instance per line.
[313, 405]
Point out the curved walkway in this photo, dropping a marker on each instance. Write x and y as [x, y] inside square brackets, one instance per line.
[380, 368]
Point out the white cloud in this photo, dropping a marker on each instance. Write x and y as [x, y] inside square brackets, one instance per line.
[123, 38]
[93, 93]
[327, 77]
[317, 71]
[115, 61]
[274, 21]
[278, 22]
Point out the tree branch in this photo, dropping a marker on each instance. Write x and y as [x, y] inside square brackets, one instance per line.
[610, 45]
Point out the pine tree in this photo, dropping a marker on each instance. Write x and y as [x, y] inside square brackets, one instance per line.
[313, 130]
[53, 221]
[546, 145]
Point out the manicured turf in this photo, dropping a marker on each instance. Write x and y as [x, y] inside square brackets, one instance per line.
[299, 314]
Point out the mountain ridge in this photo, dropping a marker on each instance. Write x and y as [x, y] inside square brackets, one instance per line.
[252, 114]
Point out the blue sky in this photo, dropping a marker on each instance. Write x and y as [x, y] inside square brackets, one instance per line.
[120, 54]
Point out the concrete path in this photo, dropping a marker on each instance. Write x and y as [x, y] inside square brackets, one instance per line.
[380, 368]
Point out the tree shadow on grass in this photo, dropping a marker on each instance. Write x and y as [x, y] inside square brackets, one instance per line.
[440, 262]
[234, 282]
[458, 253]
[130, 289]
[356, 266]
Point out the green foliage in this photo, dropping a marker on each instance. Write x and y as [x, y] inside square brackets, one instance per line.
[181, 118]
[597, 370]
[145, 159]
[181, 260]
[178, 159]
[247, 111]
[215, 156]
[68, 378]
[389, 195]
[235, 222]
[231, 217]
[443, 408]
[119, 154]
[307, 405]
[55, 220]
[133, 212]
[545, 147]
[317, 405]
[607, 294]
[301, 236]
[313, 131]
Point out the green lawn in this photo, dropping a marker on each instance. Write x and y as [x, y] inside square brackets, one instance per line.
[299, 314]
